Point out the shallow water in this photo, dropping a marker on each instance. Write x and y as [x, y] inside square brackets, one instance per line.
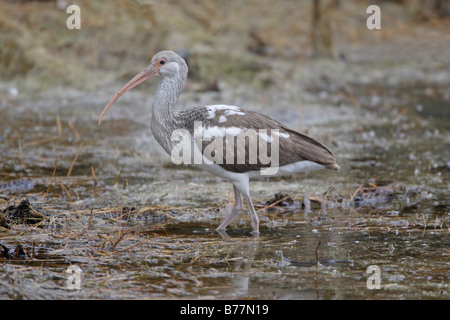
[388, 206]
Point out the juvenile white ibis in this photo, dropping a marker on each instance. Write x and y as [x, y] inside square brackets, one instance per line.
[290, 151]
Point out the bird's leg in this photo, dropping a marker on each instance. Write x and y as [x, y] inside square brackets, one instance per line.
[234, 212]
[237, 205]
[237, 200]
[254, 220]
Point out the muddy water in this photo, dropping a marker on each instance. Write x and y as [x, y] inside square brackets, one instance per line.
[139, 227]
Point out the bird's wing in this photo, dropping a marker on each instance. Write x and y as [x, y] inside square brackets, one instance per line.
[249, 132]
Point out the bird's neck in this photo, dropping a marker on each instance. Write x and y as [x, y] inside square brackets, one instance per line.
[163, 114]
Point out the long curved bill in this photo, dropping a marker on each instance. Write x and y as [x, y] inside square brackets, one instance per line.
[145, 74]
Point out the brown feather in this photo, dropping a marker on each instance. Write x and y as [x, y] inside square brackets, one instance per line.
[297, 147]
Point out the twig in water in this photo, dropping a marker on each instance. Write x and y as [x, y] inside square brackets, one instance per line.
[117, 178]
[274, 203]
[168, 215]
[67, 191]
[74, 160]
[133, 246]
[74, 130]
[317, 254]
[58, 125]
[93, 175]
[40, 141]
[354, 193]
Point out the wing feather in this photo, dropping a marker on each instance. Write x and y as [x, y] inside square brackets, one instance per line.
[219, 122]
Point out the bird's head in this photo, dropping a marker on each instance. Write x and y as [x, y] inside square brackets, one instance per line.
[169, 64]
[166, 63]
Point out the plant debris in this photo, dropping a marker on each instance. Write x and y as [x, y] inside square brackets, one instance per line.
[19, 253]
[24, 213]
[280, 199]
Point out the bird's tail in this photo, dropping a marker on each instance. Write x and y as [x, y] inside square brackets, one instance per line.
[333, 166]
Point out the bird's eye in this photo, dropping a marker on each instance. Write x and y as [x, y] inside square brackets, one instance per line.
[162, 61]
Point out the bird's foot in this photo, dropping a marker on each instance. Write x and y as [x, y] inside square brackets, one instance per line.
[255, 234]
[254, 222]
[223, 233]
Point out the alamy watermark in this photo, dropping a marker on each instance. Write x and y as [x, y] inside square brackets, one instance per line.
[73, 281]
[374, 280]
[74, 20]
[374, 21]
